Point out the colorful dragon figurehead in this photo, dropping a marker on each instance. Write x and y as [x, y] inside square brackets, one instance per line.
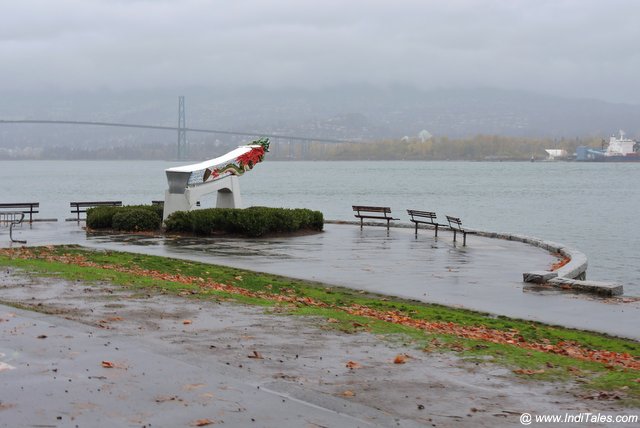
[242, 163]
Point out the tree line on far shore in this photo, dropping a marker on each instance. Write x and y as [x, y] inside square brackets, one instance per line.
[477, 148]
[480, 147]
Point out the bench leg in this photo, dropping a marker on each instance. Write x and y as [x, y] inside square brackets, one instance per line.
[464, 239]
[454, 235]
[11, 234]
[436, 230]
[388, 225]
[361, 221]
[416, 230]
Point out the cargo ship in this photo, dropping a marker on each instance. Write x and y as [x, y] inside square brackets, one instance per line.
[618, 150]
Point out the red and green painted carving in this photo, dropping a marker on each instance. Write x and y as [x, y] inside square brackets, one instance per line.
[242, 163]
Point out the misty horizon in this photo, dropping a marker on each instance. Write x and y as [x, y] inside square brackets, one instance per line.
[573, 49]
[362, 70]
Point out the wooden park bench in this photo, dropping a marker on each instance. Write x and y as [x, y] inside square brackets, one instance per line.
[455, 224]
[425, 217]
[21, 208]
[81, 207]
[376, 213]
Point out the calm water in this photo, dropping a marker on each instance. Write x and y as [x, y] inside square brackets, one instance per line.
[592, 207]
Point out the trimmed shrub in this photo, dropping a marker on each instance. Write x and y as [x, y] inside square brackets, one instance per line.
[252, 222]
[136, 219]
[101, 217]
[142, 217]
[158, 209]
[256, 222]
[179, 221]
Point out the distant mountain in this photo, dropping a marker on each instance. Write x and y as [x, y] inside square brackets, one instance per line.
[347, 112]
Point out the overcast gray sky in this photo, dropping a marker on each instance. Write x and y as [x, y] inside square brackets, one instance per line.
[587, 48]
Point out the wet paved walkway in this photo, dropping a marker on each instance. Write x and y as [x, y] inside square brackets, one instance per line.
[55, 372]
[486, 275]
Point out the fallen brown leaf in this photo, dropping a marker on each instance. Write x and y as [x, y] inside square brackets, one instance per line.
[353, 365]
[108, 364]
[400, 359]
[186, 322]
[349, 393]
[257, 355]
[202, 422]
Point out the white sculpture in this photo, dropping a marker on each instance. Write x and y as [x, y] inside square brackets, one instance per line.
[189, 183]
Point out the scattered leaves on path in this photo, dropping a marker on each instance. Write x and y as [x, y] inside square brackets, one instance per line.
[475, 332]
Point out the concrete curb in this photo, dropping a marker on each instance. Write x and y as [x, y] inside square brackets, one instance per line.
[571, 276]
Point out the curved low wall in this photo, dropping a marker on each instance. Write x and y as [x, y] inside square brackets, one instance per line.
[571, 276]
[575, 269]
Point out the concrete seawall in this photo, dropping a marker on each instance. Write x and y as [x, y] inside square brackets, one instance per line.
[571, 276]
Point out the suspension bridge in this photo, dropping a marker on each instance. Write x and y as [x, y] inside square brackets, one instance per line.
[181, 129]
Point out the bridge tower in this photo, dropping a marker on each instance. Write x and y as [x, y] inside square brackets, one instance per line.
[182, 132]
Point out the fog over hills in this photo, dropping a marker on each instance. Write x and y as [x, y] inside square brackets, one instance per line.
[361, 70]
[351, 112]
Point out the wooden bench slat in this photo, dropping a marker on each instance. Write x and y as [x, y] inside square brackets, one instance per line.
[95, 203]
[366, 211]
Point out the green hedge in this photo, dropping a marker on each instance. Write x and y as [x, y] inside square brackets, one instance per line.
[253, 222]
[129, 218]
[101, 217]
